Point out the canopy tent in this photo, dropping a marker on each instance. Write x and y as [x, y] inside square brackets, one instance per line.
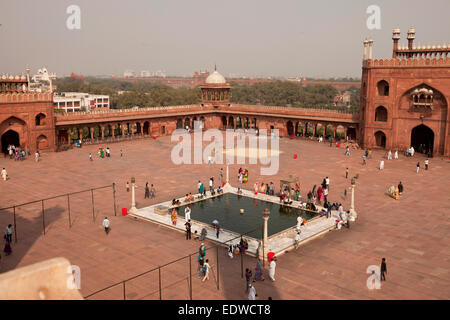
[289, 182]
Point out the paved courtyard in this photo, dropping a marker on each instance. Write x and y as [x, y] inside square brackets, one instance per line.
[413, 233]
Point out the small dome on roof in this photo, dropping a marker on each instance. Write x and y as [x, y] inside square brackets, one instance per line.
[215, 78]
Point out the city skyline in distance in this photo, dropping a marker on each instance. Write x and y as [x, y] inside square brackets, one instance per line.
[262, 38]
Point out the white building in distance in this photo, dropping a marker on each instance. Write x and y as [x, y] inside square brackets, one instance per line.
[78, 101]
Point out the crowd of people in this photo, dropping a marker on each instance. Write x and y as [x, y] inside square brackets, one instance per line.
[19, 153]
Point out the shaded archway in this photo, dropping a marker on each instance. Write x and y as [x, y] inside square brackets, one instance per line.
[383, 88]
[299, 129]
[179, 123]
[381, 114]
[231, 122]
[41, 142]
[202, 122]
[422, 135]
[146, 127]
[351, 133]
[40, 119]
[10, 137]
[187, 123]
[320, 131]
[224, 122]
[238, 122]
[380, 139]
[290, 128]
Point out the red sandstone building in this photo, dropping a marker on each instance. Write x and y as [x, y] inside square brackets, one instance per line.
[404, 101]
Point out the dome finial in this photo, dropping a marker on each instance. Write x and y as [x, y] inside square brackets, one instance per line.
[215, 68]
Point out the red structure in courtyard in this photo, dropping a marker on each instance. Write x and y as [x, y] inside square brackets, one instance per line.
[404, 100]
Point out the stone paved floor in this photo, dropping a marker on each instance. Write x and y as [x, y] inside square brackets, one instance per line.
[412, 233]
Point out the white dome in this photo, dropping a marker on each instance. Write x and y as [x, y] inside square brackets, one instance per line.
[215, 78]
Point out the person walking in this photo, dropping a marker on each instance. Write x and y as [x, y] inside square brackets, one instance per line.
[252, 293]
[221, 176]
[200, 259]
[217, 231]
[7, 249]
[346, 173]
[364, 160]
[188, 229]
[36, 156]
[152, 191]
[258, 272]
[327, 181]
[202, 250]
[297, 240]
[396, 154]
[248, 277]
[272, 267]
[106, 225]
[417, 167]
[174, 216]
[400, 188]
[426, 164]
[211, 185]
[147, 191]
[383, 269]
[389, 155]
[381, 164]
[206, 268]
[4, 174]
[8, 233]
[90, 157]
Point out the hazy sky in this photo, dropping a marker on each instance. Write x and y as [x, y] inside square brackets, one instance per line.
[253, 37]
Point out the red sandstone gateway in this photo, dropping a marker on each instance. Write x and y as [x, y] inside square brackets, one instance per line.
[404, 102]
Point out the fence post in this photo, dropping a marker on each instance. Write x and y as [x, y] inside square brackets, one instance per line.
[114, 197]
[124, 295]
[68, 207]
[242, 265]
[218, 277]
[43, 215]
[190, 278]
[15, 226]
[263, 257]
[160, 294]
[93, 212]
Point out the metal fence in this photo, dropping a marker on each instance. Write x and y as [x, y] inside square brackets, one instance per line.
[32, 218]
[172, 280]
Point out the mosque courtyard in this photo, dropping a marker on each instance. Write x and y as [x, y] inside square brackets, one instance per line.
[412, 233]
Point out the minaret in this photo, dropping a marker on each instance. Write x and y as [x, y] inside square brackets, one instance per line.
[370, 48]
[411, 37]
[28, 79]
[365, 49]
[395, 38]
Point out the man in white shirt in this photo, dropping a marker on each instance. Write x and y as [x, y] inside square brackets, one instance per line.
[297, 240]
[327, 182]
[187, 213]
[252, 292]
[4, 174]
[106, 225]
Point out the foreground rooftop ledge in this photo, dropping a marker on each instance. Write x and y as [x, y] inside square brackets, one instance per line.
[47, 280]
[279, 243]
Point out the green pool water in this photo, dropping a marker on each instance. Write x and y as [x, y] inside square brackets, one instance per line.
[226, 209]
